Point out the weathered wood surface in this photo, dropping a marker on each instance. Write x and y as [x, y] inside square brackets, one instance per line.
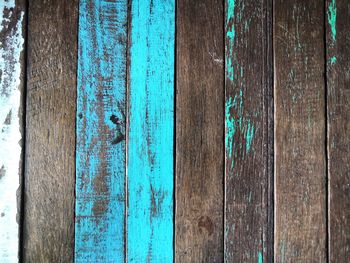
[100, 153]
[199, 131]
[247, 102]
[12, 29]
[338, 102]
[50, 132]
[150, 165]
[300, 175]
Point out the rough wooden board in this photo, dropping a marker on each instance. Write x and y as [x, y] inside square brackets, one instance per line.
[150, 165]
[300, 156]
[199, 131]
[12, 29]
[100, 155]
[247, 103]
[50, 132]
[338, 106]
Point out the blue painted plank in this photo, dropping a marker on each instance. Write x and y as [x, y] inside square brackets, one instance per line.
[11, 86]
[100, 153]
[150, 132]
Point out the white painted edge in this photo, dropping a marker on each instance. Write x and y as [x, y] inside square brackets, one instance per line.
[10, 134]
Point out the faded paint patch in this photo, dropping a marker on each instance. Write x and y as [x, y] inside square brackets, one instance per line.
[282, 252]
[11, 47]
[332, 18]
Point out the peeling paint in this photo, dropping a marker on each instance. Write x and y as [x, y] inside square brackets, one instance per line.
[230, 33]
[333, 60]
[11, 47]
[332, 18]
[236, 122]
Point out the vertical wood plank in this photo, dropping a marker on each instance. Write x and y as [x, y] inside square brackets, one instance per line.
[199, 131]
[300, 166]
[247, 90]
[151, 131]
[338, 102]
[12, 28]
[100, 156]
[50, 131]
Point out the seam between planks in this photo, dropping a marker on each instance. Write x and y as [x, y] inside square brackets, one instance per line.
[24, 130]
[327, 190]
[127, 125]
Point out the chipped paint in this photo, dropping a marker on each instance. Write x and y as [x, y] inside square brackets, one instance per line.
[333, 60]
[332, 18]
[260, 257]
[230, 33]
[11, 46]
[249, 135]
[236, 122]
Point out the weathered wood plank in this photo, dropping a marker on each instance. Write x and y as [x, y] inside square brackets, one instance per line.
[12, 29]
[100, 153]
[50, 131]
[247, 102]
[338, 102]
[151, 131]
[300, 156]
[199, 131]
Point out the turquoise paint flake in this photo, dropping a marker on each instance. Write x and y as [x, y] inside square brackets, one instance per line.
[230, 33]
[332, 18]
[333, 60]
[260, 257]
[100, 149]
[151, 124]
[230, 10]
[249, 136]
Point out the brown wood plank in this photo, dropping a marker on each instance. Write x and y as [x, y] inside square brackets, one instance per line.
[248, 104]
[12, 68]
[50, 131]
[300, 156]
[199, 131]
[338, 104]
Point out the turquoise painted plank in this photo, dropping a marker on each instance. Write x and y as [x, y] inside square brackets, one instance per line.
[100, 153]
[11, 86]
[151, 132]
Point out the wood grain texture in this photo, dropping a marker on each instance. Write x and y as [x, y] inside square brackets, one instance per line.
[12, 29]
[150, 164]
[246, 134]
[48, 228]
[300, 156]
[199, 131]
[338, 102]
[100, 153]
